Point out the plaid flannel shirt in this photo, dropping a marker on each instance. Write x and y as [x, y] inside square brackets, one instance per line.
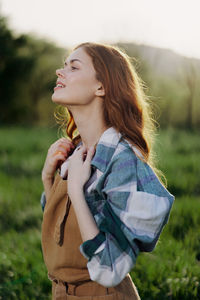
[130, 207]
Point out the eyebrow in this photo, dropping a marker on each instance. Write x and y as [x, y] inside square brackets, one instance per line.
[72, 60]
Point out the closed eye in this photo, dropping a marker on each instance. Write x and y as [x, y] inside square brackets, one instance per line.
[73, 68]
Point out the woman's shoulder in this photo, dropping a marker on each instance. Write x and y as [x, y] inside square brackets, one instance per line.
[129, 161]
[125, 151]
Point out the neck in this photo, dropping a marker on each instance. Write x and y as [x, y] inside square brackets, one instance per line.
[90, 124]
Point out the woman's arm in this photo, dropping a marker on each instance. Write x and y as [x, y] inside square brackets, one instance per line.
[79, 170]
[86, 222]
[47, 183]
[134, 207]
[57, 153]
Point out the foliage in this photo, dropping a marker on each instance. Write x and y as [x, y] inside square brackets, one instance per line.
[14, 69]
[171, 271]
[172, 84]
[27, 76]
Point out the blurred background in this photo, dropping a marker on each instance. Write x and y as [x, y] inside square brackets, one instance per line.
[35, 38]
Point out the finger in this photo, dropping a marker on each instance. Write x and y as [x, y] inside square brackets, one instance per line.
[80, 150]
[66, 144]
[80, 153]
[58, 158]
[59, 153]
[67, 141]
[66, 148]
[64, 141]
[90, 154]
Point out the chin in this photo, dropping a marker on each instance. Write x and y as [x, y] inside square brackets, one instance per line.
[57, 99]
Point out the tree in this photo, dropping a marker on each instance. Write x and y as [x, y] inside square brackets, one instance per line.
[27, 74]
[14, 69]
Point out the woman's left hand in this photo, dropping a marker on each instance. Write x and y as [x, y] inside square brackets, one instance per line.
[79, 169]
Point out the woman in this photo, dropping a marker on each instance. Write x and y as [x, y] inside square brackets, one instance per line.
[112, 205]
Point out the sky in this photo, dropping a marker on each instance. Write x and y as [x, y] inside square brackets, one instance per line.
[171, 24]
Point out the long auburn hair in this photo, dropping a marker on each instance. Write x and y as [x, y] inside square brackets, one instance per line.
[126, 106]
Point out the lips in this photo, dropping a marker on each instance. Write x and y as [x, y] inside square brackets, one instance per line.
[59, 85]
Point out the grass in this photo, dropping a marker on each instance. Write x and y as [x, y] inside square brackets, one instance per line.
[171, 271]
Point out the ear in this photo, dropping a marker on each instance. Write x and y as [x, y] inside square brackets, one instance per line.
[100, 90]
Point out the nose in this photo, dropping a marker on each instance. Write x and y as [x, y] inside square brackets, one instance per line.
[59, 73]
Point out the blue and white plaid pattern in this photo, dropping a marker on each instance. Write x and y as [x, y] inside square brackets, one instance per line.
[130, 207]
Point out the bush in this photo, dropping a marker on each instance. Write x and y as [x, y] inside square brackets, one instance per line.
[171, 271]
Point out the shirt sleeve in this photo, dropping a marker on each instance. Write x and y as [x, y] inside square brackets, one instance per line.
[136, 206]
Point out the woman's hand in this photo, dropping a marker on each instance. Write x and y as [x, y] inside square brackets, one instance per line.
[79, 169]
[57, 153]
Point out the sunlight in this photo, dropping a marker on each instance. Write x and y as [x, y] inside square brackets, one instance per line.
[170, 24]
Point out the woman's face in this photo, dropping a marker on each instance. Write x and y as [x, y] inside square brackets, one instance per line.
[76, 83]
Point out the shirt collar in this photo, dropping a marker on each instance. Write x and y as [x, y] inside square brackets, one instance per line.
[105, 148]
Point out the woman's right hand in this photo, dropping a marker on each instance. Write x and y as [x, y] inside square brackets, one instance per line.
[57, 153]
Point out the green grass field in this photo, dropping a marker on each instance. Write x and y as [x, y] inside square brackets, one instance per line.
[171, 271]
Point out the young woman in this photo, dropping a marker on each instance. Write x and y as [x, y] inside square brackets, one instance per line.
[105, 203]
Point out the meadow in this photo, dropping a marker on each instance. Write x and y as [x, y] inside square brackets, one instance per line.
[171, 271]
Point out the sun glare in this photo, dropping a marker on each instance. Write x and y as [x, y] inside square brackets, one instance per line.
[170, 24]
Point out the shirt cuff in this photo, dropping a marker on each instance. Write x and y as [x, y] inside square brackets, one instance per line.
[89, 247]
